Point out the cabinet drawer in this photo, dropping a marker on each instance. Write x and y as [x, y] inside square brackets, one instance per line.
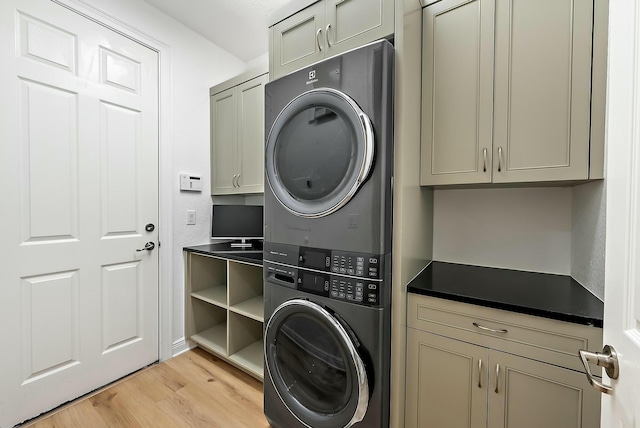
[542, 339]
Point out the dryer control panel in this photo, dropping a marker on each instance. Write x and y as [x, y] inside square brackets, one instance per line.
[366, 266]
[340, 275]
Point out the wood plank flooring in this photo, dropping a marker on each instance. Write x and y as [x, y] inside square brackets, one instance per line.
[194, 389]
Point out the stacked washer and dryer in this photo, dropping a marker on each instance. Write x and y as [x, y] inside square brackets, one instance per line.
[327, 248]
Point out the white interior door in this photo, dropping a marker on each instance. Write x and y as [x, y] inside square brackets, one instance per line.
[78, 184]
[622, 281]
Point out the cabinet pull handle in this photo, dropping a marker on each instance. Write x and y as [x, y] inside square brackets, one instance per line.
[326, 35]
[234, 180]
[480, 373]
[238, 180]
[318, 39]
[484, 155]
[492, 330]
[499, 159]
[497, 376]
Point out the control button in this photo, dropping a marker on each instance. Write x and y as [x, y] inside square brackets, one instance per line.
[349, 296]
[301, 258]
[360, 260]
[341, 295]
[358, 298]
[359, 293]
[335, 269]
[359, 272]
[326, 286]
[373, 261]
[350, 271]
[372, 300]
[327, 261]
[334, 293]
[372, 286]
[343, 270]
[372, 295]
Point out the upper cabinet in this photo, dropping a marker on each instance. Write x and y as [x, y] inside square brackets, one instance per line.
[237, 135]
[509, 99]
[326, 28]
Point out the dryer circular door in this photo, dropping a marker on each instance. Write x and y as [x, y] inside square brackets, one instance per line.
[319, 152]
[314, 366]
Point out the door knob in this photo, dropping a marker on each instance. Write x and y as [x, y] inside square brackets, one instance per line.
[148, 246]
[607, 359]
[150, 227]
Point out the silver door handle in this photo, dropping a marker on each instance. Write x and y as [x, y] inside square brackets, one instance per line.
[238, 180]
[497, 377]
[318, 39]
[492, 330]
[234, 180]
[148, 247]
[326, 35]
[480, 373]
[607, 359]
[499, 159]
[484, 155]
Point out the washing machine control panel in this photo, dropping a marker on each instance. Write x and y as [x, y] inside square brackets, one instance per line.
[340, 275]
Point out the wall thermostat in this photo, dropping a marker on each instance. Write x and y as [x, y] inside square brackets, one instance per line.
[190, 182]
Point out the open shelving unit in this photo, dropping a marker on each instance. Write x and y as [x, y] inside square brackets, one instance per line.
[224, 309]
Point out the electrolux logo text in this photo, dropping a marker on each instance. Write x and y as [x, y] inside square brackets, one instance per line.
[312, 77]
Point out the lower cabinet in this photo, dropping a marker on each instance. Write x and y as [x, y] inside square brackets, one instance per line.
[456, 381]
[224, 309]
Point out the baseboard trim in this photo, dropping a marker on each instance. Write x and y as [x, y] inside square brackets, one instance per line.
[180, 346]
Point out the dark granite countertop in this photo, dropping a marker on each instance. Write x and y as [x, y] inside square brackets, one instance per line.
[252, 255]
[551, 296]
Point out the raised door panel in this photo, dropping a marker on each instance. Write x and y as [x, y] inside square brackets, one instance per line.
[529, 394]
[353, 23]
[224, 137]
[457, 98]
[542, 93]
[298, 40]
[251, 135]
[447, 382]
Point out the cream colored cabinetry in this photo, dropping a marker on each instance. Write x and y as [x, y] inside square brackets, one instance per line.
[508, 99]
[224, 309]
[327, 28]
[470, 366]
[237, 136]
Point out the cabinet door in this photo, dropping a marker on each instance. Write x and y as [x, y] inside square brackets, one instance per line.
[353, 23]
[447, 382]
[457, 92]
[224, 137]
[531, 394]
[298, 40]
[542, 92]
[251, 135]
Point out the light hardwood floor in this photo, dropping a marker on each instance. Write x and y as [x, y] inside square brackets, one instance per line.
[194, 389]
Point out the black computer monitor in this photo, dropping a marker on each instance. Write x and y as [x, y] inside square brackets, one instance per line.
[239, 223]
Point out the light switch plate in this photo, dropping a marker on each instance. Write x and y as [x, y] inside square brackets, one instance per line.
[191, 217]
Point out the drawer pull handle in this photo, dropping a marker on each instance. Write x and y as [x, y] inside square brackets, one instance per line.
[479, 373]
[492, 330]
[497, 376]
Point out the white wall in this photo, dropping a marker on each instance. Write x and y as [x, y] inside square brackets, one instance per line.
[588, 236]
[518, 228]
[196, 65]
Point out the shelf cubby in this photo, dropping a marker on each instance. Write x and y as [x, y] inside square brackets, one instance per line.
[224, 309]
[246, 342]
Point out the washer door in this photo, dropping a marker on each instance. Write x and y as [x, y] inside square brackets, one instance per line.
[314, 366]
[318, 152]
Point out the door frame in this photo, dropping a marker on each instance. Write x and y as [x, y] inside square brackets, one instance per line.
[165, 163]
